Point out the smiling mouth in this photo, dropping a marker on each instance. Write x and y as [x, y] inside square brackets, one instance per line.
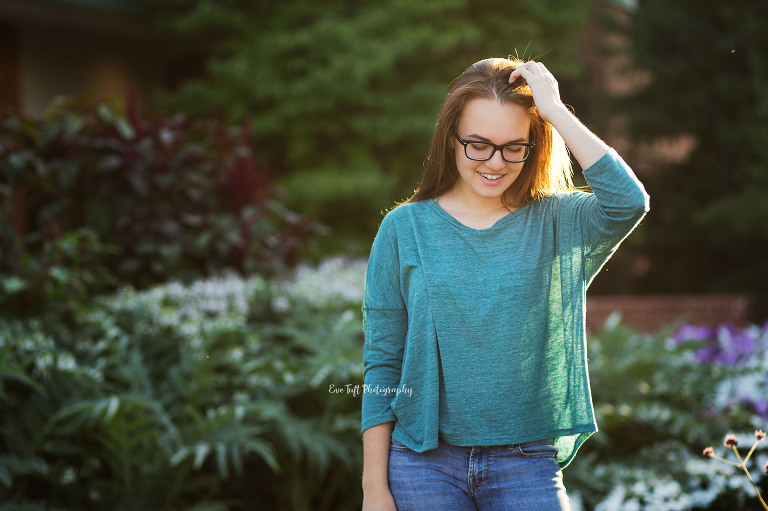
[491, 177]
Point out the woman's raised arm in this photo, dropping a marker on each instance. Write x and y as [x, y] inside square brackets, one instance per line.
[585, 146]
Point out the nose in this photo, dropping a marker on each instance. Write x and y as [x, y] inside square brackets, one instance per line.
[496, 162]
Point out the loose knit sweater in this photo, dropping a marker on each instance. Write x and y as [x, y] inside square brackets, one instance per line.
[477, 336]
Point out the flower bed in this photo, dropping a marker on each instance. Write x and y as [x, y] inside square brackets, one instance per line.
[230, 393]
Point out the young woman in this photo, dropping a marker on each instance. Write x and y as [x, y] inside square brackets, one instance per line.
[476, 390]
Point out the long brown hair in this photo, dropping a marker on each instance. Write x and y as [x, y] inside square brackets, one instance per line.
[547, 169]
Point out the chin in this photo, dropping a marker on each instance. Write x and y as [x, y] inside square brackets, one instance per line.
[493, 194]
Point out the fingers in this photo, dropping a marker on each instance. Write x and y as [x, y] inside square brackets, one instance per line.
[540, 67]
[542, 85]
[529, 69]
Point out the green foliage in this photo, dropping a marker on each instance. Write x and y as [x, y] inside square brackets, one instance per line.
[657, 407]
[344, 95]
[709, 79]
[207, 396]
[216, 395]
[90, 197]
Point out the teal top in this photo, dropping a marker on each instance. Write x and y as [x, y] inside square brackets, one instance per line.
[476, 336]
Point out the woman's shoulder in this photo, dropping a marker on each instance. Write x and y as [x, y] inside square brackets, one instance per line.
[404, 212]
[400, 221]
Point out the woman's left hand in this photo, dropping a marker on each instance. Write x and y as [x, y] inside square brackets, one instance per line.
[543, 85]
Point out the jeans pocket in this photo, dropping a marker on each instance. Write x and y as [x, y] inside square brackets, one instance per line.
[537, 450]
[396, 446]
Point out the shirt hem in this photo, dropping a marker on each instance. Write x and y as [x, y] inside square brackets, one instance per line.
[513, 439]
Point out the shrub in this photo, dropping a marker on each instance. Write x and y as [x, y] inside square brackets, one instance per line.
[208, 394]
[90, 198]
[659, 401]
[215, 395]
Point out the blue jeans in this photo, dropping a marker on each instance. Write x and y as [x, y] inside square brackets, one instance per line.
[519, 477]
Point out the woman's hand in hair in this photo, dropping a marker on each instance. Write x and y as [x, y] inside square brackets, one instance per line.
[544, 89]
[584, 145]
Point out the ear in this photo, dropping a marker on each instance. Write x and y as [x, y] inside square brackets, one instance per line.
[452, 139]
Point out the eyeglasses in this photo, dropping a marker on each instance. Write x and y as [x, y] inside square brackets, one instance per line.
[483, 151]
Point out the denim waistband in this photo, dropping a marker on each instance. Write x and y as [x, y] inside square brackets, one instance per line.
[544, 441]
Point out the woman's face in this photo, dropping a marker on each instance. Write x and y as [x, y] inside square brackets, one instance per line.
[487, 120]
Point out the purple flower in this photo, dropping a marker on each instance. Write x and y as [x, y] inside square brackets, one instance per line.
[688, 332]
[731, 440]
[708, 451]
[759, 405]
[736, 344]
[707, 354]
[726, 344]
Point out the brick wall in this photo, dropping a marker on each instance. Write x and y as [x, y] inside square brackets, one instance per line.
[650, 313]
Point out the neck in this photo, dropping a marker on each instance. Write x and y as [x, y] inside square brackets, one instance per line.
[473, 203]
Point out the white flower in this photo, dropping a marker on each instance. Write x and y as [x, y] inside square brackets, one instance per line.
[614, 501]
[66, 362]
[336, 282]
[281, 304]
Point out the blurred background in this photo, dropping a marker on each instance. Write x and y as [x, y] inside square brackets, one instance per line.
[189, 190]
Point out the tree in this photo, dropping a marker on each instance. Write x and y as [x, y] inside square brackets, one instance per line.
[343, 96]
[708, 63]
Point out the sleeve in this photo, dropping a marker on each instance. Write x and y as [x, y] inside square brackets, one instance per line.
[385, 324]
[609, 214]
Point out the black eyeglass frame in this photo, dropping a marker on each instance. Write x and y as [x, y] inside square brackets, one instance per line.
[495, 148]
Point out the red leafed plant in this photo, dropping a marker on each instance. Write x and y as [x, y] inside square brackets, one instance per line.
[91, 198]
